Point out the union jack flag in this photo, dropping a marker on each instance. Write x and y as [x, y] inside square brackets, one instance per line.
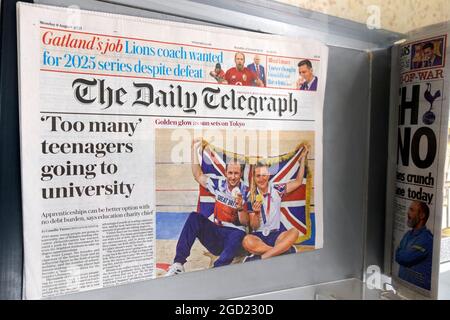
[294, 207]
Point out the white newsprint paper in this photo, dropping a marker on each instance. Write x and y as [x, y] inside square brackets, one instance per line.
[151, 148]
[421, 135]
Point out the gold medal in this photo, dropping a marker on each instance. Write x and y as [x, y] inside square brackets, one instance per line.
[259, 198]
[235, 192]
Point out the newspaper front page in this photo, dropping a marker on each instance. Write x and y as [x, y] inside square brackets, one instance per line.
[422, 131]
[153, 148]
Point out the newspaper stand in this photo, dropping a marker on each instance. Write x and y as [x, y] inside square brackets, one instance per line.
[356, 122]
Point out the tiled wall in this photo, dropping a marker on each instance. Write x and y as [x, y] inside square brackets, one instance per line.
[395, 15]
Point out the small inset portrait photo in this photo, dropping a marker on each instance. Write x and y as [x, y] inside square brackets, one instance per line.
[307, 80]
[427, 54]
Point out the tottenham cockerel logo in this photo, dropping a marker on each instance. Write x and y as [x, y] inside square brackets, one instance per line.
[429, 116]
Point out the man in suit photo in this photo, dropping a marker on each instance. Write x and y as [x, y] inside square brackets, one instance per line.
[258, 69]
[431, 59]
[307, 80]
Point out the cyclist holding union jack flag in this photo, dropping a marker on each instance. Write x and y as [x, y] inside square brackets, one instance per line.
[264, 209]
[223, 234]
